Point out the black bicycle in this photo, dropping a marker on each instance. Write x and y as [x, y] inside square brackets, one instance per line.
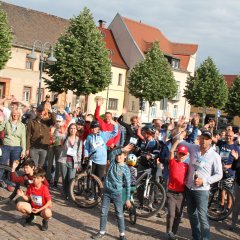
[8, 188]
[150, 195]
[216, 212]
[86, 189]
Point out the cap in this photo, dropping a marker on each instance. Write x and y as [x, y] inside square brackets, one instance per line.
[182, 149]
[34, 105]
[207, 133]
[40, 108]
[47, 96]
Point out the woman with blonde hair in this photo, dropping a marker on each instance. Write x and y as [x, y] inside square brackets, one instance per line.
[14, 142]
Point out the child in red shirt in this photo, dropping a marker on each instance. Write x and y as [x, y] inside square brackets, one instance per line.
[38, 200]
[176, 196]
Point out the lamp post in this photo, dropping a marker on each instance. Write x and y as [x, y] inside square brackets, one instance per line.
[50, 60]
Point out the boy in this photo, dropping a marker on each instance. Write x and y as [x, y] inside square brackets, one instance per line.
[113, 190]
[38, 200]
[26, 179]
[175, 196]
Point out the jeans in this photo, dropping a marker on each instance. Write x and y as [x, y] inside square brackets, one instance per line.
[53, 153]
[68, 173]
[9, 154]
[236, 205]
[98, 170]
[118, 205]
[197, 207]
[38, 155]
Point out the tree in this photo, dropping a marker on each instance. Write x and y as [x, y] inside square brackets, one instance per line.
[83, 63]
[152, 79]
[207, 88]
[5, 39]
[232, 106]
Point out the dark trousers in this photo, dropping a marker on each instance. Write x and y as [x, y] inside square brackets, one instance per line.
[175, 202]
[98, 170]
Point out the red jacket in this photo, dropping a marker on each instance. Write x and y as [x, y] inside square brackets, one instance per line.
[106, 127]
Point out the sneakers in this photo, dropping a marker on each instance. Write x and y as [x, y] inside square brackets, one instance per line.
[171, 236]
[44, 225]
[91, 197]
[98, 236]
[122, 237]
[29, 220]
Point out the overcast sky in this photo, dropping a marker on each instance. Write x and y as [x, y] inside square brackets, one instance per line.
[212, 24]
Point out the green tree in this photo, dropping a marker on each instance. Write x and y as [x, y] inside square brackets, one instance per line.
[83, 63]
[5, 39]
[232, 106]
[152, 79]
[207, 88]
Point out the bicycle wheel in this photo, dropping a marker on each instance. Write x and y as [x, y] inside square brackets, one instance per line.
[82, 187]
[132, 214]
[149, 205]
[8, 189]
[214, 201]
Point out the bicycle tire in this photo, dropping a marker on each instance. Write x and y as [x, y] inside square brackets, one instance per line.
[132, 214]
[6, 195]
[214, 199]
[79, 196]
[149, 209]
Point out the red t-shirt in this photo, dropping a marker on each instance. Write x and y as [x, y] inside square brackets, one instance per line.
[177, 175]
[39, 197]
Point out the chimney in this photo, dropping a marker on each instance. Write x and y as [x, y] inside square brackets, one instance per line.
[101, 23]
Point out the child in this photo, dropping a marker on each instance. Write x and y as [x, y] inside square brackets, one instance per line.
[113, 190]
[175, 196]
[26, 179]
[38, 200]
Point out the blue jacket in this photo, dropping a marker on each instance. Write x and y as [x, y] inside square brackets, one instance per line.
[98, 143]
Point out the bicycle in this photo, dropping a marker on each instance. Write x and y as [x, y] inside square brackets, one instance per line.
[84, 185]
[215, 196]
[150, 195]
[8, 189]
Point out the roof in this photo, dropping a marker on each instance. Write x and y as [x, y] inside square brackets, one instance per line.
[29, 25]
[230, 79]
[145, 35]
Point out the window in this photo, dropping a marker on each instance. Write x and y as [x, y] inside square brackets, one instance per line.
[175, 63]
[29, 64]
[26, 94]
[119, 79]
[2, 88]
[163, 104]
[178, 95]
[42, 94]
[153, 111]
[175, 111]
[111, 80]
[113, 103]
[133, 106]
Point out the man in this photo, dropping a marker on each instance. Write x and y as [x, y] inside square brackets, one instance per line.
[192, 129]
[205, 168]
[38, 136]
[47, 100]
[157, 123]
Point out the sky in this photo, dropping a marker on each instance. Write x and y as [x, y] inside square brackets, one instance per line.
[212, 24]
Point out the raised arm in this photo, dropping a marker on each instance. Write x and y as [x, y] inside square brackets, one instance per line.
[97, 112]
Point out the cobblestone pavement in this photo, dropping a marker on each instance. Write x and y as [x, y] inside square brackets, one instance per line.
[70, 222]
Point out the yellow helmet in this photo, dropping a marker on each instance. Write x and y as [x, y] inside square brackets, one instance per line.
[131, 160]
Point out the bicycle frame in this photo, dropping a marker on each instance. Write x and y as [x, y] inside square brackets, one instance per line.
[148, 173]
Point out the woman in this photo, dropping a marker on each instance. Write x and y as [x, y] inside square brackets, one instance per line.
[70, 157]
[14, 142]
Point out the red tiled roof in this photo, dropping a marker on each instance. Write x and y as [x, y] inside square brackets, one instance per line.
[145, 35]
[229, 79]
[114, 52]
[29, 25]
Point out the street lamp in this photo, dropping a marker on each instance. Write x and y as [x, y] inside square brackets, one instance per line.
[50, 60]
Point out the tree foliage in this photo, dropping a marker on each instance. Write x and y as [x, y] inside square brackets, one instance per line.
[83, 63]
[232, 106]
[5, 39]
[207, 88]
[152, 79]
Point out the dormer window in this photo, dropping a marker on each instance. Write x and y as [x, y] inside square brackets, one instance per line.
[175, 63]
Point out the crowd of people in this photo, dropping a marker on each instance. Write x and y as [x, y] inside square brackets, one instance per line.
[55, 142]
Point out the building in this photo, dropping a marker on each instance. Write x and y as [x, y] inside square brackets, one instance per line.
[20, 76]
[134, 39]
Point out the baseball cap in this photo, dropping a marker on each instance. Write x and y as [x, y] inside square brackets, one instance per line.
[40, 108]
[47, 96]
[207, 133]
[182, 149]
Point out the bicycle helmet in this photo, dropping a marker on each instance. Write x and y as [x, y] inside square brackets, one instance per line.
[131, 160]
[94, 124]
[80, 121]
[149, 129]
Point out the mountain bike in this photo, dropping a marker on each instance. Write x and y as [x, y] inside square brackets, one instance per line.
[86, 189]
[150, 195]
[215, 197]
[8, 189]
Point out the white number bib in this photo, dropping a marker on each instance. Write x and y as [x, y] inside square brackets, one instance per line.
[98, 143]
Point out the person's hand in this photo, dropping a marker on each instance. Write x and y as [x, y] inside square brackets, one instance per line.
[124, 111]
[112, 146]
[198, 182]
[100, 102]
[181, 122]
[14, 166]
[158, 161]
[234, 154]
[22, 155]
[35, 210]
[20, 193]
[128, 147]
[206, 127]
[128, 204]
[27, 153]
